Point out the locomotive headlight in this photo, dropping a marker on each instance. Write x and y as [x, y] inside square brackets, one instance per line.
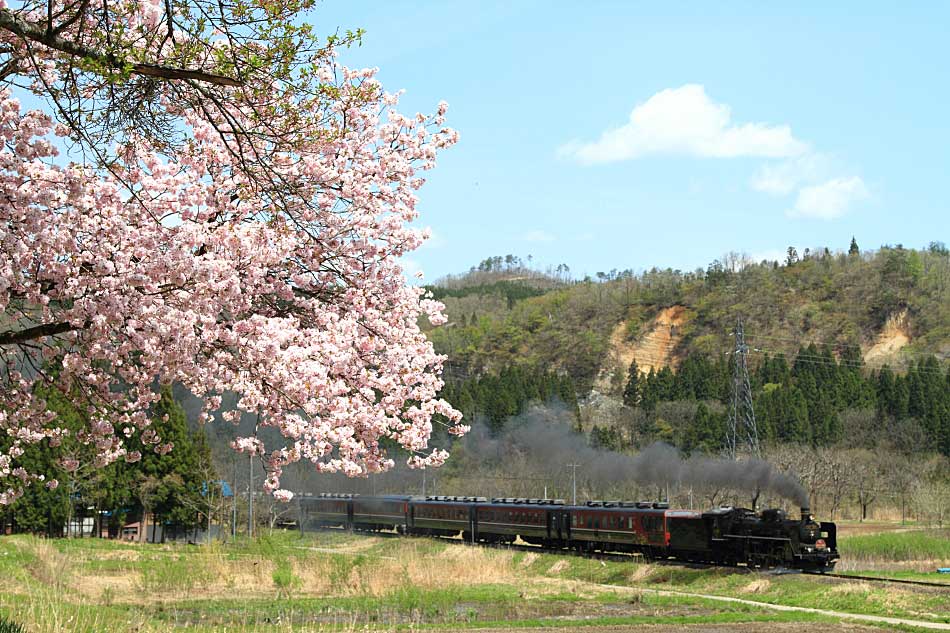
[820, 544]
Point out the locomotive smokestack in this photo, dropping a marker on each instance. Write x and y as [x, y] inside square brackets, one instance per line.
[806, 512]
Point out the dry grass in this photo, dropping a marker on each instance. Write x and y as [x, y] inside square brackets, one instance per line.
[559, 566]
[641, 572]
[760, 585]
[50, 567]
[851, 588]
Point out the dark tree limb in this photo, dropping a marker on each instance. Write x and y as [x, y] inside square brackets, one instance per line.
[48, 37]
[14, 337]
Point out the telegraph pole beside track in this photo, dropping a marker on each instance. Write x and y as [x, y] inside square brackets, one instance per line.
[250, 495]
[573, 468]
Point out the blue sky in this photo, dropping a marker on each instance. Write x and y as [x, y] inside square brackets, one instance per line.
[630, 135]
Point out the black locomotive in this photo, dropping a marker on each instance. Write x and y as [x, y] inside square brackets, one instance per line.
[722, 536]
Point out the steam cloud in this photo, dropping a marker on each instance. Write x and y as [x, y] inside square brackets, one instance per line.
[545, 436]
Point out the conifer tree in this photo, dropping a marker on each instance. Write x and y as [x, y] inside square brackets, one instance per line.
[853, 250]
[631, 391]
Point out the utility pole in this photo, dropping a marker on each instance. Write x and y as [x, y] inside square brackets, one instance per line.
[423, 482]
[573, 468]
[742, 428]
[250, 496]
[234, 500]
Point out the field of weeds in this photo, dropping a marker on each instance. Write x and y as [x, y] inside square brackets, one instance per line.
[911, 551]
[332, 581]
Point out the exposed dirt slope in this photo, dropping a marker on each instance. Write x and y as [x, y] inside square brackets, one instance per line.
[894, 336]
[652, 350]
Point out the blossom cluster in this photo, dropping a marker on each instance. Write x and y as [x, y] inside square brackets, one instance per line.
[278, 281]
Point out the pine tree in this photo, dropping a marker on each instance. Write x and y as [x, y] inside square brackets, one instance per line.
[705, 432]
[631, 391]
[853, 250]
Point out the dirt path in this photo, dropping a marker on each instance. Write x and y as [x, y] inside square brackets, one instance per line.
[741, 627]
[938, 626]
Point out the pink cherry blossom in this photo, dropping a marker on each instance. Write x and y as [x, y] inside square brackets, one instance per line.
[272, 274]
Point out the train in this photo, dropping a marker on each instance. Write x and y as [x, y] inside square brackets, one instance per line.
[728, 536]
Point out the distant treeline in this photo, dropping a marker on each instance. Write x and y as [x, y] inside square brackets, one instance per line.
[496, 397]
[845, 298]
[802, 402]
[512, 291]
[177, 489]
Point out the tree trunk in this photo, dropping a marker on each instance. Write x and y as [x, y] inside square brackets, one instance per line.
[210, 502]
[143, 526]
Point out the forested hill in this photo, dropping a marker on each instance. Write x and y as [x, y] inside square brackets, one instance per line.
[853, 312]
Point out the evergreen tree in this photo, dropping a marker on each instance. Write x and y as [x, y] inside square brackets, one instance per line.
[853, 250]
[631, 391]
[649, 392]
[705, 432]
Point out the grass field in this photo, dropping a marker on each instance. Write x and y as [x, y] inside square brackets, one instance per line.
[337, 581]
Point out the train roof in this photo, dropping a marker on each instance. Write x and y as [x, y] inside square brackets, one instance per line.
[610, 505]
[684, 514]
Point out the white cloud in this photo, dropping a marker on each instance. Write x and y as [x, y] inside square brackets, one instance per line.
[685, 121]
[829, 200]
[783, 177]
[538, 236]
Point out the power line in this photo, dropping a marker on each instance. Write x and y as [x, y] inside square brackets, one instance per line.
[836, 346]
[814, 359]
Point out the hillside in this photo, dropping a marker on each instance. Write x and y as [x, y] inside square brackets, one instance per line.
[892, 304]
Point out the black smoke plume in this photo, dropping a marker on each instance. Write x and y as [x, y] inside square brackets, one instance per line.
[544, 437]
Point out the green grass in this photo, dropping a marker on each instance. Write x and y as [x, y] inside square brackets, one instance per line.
[8, 626]
[898, 546]
[38, 576]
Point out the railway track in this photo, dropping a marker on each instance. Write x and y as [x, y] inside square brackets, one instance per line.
[897, 581]
[677, 563]
[637, 557]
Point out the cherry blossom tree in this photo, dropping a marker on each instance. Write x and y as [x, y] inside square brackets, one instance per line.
[209, 197]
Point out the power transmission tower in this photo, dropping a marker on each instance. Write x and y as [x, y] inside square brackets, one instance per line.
[742, 429]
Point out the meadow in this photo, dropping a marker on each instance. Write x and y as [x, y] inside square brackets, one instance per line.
[334, 581]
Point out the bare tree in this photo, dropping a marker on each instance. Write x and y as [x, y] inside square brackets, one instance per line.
[837, 475]
[866, 478]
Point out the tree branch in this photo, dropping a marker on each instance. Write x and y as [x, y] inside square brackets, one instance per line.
[11, 337]
[37, 33]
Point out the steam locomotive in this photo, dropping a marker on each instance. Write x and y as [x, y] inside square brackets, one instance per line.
[721, 536]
